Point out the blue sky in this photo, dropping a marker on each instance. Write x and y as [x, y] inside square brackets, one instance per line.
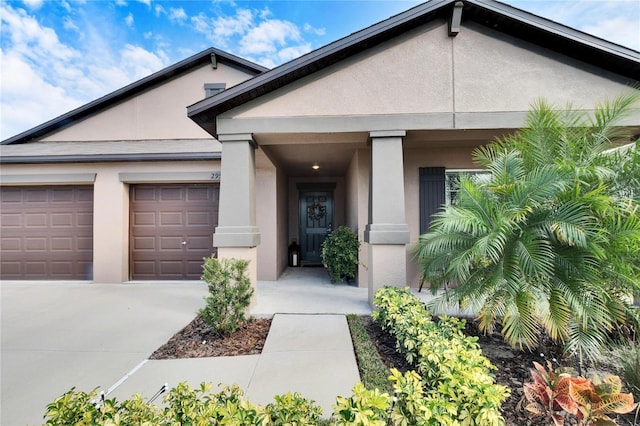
[58, 55]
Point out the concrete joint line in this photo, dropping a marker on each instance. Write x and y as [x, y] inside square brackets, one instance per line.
[126, 376]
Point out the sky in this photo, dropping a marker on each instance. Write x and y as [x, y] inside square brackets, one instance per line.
[58, 55]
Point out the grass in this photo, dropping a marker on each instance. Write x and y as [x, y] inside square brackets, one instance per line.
[373, 372]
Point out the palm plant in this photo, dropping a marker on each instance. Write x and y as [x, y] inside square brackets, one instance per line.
[549, 241]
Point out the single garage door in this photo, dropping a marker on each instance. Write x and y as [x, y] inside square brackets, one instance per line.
[46, 232]
[172, 230]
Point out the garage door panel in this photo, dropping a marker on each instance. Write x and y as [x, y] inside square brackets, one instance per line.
[171, 194]
[36, 220]
[46, 232]
[171, 227]
[171, 218]
[144, 219]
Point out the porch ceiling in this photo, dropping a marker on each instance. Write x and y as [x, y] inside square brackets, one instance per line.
[295, 153]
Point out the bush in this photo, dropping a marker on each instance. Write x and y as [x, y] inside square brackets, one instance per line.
[458, 386]
[184, 406]
[340, 254]
[229, 296]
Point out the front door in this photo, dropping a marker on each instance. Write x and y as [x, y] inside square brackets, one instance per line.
[316, 219]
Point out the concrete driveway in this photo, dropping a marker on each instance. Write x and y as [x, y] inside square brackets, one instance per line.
[59, 335]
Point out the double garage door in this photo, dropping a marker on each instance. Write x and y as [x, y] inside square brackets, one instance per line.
[46, 232]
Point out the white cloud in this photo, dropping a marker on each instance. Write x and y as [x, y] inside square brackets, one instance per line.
[33, 4]
[159, 10]
[177, 15]
[616, 21]
[317, 31]
[623, 30]
[42, 78]
[147, 2]
[268, 36]
[293, 52]
[128, 20]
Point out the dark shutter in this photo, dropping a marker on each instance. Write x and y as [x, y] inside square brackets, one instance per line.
[432, 196]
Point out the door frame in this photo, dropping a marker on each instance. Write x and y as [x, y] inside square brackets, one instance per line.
[315, 187]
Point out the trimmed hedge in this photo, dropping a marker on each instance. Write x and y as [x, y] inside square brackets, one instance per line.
[455, 385]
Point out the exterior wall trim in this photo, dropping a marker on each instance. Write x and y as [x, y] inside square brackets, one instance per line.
[48, 178]
[42, 159]
[381, 123]
[213, 176]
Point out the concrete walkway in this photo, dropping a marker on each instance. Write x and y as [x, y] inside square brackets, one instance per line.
[57, 335]
[309, 354]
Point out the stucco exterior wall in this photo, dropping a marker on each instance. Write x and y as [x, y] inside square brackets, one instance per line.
[158, 113]
[111, 201]
[485, 60]
[408, 74]
[282, 244]
[266, 217]
[357, 206]
[414, 158]
[425, 71]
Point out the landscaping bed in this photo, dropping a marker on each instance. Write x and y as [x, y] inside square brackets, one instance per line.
[513, 366]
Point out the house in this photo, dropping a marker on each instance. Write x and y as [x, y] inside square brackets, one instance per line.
[363, 132]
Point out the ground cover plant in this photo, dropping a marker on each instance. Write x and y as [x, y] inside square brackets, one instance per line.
[547, 245]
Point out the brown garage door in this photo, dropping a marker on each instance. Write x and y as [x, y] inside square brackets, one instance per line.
[172, 230]
[46, 232]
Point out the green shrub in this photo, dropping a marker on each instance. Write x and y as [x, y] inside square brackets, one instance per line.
[340, 254]
[458, 385]
[365, 407]
[293, 409]
[229, 296]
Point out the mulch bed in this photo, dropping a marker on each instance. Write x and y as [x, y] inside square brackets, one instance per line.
[196, 340]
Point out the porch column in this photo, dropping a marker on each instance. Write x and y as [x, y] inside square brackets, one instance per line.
[236, 234]
[387, 232]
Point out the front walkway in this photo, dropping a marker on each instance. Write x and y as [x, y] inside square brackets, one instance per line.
[308, 291]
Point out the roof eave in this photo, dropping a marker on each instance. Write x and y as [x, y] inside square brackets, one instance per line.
[132, 89]
[588, 48]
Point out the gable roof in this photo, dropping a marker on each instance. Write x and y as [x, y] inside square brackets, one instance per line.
[490, 13]
[209, 55]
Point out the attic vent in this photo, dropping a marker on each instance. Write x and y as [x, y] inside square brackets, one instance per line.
[211, 89]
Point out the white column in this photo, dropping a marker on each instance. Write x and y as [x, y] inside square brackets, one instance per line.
[387, 232]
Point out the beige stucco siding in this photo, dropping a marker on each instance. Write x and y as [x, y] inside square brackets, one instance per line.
[427, 72]
[414, 158]
[158, 113]
[494, 72]
[111, 200]
[408, 74]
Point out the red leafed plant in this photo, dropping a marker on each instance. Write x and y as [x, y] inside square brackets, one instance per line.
[556, 394]
[597, 398]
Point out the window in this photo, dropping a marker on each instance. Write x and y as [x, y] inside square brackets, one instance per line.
[438, 188]
[211, 89]
[452, 182]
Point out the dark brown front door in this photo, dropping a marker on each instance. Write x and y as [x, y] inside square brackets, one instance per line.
[316, 219]
[171, 230]
[46, 232]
